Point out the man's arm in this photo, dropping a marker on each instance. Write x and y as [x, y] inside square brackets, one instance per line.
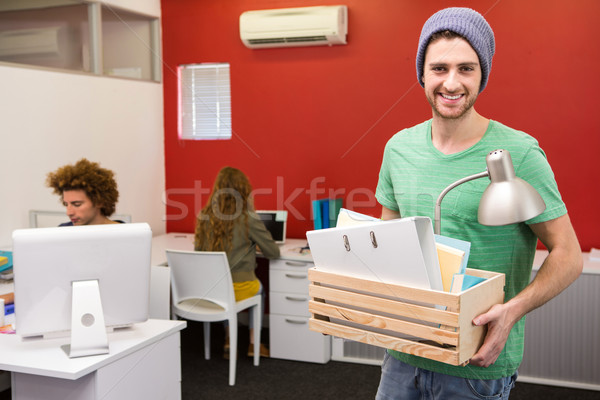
[386, 213]
[562, 266]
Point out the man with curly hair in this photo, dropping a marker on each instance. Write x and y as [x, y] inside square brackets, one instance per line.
[88, 191]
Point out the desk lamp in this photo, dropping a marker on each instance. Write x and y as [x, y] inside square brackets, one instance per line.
[507, 200]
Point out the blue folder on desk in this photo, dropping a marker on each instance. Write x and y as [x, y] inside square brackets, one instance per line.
[325, 212]
[9, 263]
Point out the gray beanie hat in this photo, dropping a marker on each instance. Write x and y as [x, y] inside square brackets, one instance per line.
[467, 23]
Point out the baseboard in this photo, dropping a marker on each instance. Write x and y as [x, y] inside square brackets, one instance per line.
[554, 382]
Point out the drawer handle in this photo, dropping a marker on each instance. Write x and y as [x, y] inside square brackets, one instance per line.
[295, 298]
[293, 321]
[295, 276]
[296, 263]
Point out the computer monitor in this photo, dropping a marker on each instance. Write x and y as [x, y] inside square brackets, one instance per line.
[276, 223]
[81, 280]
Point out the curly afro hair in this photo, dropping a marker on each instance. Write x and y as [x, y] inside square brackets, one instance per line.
[98, 183]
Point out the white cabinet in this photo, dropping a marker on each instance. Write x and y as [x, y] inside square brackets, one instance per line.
[151, 372]
[290, 337]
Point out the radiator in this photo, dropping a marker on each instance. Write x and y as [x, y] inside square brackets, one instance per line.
[562, 339]
[356, 352]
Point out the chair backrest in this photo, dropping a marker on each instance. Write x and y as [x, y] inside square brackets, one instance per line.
[201, 275]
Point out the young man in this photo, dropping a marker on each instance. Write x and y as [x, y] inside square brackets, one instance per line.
[454, 60]
[88, 191]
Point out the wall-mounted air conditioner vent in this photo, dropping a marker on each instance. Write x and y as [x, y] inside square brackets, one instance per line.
[293, 27]
[29, 42]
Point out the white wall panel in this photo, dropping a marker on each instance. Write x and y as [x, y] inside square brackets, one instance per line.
[53, 118]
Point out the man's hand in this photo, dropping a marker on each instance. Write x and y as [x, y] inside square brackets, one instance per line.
[499, 325]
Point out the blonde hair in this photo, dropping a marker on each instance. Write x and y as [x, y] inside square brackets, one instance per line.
[229, 201]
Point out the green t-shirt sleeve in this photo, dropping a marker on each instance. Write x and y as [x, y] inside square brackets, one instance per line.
[385, 189]
[536, 170]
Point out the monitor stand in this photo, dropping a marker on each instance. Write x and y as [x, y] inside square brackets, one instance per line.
[88, 330]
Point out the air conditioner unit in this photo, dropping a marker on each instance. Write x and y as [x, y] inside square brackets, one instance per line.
[29, 42]
[294, 27]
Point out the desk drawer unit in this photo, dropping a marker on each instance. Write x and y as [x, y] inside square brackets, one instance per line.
[290, 337]
[289, 304]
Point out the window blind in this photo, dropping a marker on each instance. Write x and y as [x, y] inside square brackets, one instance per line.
[204, 101]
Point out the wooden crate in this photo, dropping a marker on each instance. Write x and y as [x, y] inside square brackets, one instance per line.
[427, 323]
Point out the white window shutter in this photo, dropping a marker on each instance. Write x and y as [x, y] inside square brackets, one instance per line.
[204, 101]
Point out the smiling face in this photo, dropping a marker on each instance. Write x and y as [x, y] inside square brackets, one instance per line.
[80, 209]
[451, 76]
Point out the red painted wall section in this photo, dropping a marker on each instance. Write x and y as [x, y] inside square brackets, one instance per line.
[311, 122]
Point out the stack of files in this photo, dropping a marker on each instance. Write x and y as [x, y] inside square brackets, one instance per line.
[453, 255]
[400, 251]
[325, 212]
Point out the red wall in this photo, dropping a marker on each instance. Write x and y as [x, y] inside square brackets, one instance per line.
[312, 121]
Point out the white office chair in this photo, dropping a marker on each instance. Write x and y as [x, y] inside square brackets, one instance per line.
[202, 290]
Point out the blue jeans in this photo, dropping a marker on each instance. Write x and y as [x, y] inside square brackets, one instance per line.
[403, 381]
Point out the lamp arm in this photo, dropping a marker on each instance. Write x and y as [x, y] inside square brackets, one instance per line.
[438, 205]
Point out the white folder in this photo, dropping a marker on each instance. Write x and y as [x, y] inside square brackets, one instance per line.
[400, 251]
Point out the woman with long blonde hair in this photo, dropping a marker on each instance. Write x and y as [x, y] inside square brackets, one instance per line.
[228, 223]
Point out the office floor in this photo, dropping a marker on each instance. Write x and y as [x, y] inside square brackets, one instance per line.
[290, 380]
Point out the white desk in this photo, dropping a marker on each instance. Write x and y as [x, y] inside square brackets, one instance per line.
[144, 363]
[160, 279]
[290, 250]
[171, 241]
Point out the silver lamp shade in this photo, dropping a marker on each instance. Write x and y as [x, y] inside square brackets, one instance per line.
[508, 199]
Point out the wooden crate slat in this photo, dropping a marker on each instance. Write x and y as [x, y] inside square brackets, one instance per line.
[381, 322]
[384, 289]
[481, 273]
[449, 356]
[388, 306]
[475, 301]
[347, 298]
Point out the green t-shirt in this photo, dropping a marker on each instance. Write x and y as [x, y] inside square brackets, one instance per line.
[414, 173]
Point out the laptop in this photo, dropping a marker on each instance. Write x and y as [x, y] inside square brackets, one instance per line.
[276, 222]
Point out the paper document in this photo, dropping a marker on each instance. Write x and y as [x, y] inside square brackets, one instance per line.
[349, 218]
[448, 269]
[400, 251]
[450, 262]
[461, 282]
